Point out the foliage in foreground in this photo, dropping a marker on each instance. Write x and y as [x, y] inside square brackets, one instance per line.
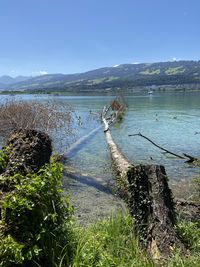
[36, 229]
[111, 243]
[35, 225]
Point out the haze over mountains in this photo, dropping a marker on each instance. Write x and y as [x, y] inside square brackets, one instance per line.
[119, 76]
[7, 80]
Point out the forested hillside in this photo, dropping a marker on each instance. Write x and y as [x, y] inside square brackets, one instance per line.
[123, 76]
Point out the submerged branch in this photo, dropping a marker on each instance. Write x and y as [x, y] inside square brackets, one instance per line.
[167, 151]
[191, 159]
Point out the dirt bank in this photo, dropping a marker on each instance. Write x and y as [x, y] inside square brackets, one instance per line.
[92, 197]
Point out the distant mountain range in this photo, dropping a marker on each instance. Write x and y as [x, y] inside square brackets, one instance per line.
[7, 80]
[123, 76]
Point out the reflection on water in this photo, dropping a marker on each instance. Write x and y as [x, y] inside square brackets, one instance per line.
[170, 120]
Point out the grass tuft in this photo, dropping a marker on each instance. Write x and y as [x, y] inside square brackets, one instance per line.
[109, 243]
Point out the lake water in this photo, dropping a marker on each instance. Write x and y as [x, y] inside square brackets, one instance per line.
[170, 120]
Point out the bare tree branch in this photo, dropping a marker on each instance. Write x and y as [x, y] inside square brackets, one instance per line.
[191, 159]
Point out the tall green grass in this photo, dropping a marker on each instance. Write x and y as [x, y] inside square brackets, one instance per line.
[109, 243]
[112, 243]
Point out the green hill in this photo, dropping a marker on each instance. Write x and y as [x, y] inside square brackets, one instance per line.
[125, 76]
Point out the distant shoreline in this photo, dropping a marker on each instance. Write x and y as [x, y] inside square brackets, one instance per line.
[110, 91]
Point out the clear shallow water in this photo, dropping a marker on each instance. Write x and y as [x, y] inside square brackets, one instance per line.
[170, 120]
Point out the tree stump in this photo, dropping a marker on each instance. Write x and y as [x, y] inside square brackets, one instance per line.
[27, 151]
[152, 208]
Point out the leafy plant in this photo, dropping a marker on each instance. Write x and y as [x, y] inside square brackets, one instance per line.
[190, 234]
[3, 161]
[36, 220]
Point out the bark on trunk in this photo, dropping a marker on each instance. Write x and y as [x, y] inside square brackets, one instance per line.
[121, 166]
[152, 208]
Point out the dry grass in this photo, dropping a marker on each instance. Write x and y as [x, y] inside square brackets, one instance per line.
[47, 117]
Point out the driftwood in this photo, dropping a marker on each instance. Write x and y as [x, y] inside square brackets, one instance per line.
[149, 199]
[190, 160]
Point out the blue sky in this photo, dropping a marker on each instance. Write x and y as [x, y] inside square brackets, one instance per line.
[69, 36]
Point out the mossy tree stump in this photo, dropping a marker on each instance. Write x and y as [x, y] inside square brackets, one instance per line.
[152, 208]
[28, 150]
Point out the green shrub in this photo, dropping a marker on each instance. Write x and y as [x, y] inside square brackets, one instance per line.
[36, 220]
[3, 161]
[190, 234]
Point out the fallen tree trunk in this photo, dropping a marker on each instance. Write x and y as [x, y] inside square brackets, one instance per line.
[149, 199]
[121, 165]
